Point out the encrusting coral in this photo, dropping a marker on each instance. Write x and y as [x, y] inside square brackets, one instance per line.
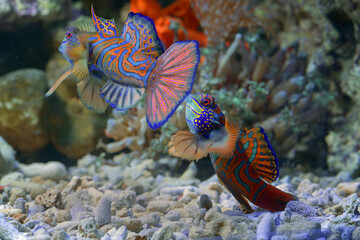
[176, 22]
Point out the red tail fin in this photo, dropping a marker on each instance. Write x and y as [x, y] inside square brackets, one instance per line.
[273, 199]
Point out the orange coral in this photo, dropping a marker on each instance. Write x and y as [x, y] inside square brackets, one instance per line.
[176, 22]
[220, 19]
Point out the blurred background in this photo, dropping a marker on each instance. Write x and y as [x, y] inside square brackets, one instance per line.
[291, 67]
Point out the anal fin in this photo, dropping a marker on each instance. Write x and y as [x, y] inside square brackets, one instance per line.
[121, 96]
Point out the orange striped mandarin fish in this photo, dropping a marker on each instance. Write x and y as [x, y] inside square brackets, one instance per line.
[117, 70]
[244, 160]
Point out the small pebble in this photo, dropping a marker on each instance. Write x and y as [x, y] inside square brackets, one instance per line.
[205, 202]
[20, 204]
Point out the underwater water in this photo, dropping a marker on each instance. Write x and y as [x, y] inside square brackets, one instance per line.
[179, 119]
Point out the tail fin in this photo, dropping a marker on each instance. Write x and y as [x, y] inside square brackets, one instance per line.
[171, 82]
[273, 199]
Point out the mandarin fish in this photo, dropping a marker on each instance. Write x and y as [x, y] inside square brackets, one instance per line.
[118, 69]
[244, 161]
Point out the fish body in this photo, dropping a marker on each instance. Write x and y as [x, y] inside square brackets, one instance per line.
[118, 69]
[244, 160]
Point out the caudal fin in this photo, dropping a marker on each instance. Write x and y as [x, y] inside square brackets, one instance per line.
[273, 199]
[171, 82]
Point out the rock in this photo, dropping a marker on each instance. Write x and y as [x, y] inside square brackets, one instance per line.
[158, 206]
[72, 186]
[349, 80]
[16, 193]
[42, 233]
[11, 177]
[219, 224]
[75, 212]
[23, 112]
[60, 235]
[132, 224]
[205, 202]
[122, 199]
[165, 232]
[263, 231]
[178, 191]
[52, 198]
[348, 188]
[34, 209]
[20, 204]
[299, 236]
[298, 225]
[8, 231]
[7, 157]
[173, 215]
[341, 177]
[112, 174]
[356, 233]
[151, 219]
[103, 212]
[180, 236]
[350, 213]
[343, 151]
[147, 233]
[63, 216]
[49, 170]
[87, 229]
[75, 129]
[120, 234]
[138, 208]
[279, 237]
[80, 197]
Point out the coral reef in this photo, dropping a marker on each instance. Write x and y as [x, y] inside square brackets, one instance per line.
[21, 11]
[343, 145]
[176, 22]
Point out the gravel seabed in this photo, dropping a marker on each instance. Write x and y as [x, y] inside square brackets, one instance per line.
[141, 200]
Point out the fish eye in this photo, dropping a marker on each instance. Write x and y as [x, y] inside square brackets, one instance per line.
[207, 102]
[68, 34]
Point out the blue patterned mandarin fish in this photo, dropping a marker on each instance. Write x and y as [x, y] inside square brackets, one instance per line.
[244, 160]
[117, 70]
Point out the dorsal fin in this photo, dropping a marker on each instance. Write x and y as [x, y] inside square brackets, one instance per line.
[140, 30]
[102, 25]
[257, 149]
[85, 25]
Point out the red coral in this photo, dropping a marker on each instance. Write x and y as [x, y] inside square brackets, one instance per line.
[176, 22]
